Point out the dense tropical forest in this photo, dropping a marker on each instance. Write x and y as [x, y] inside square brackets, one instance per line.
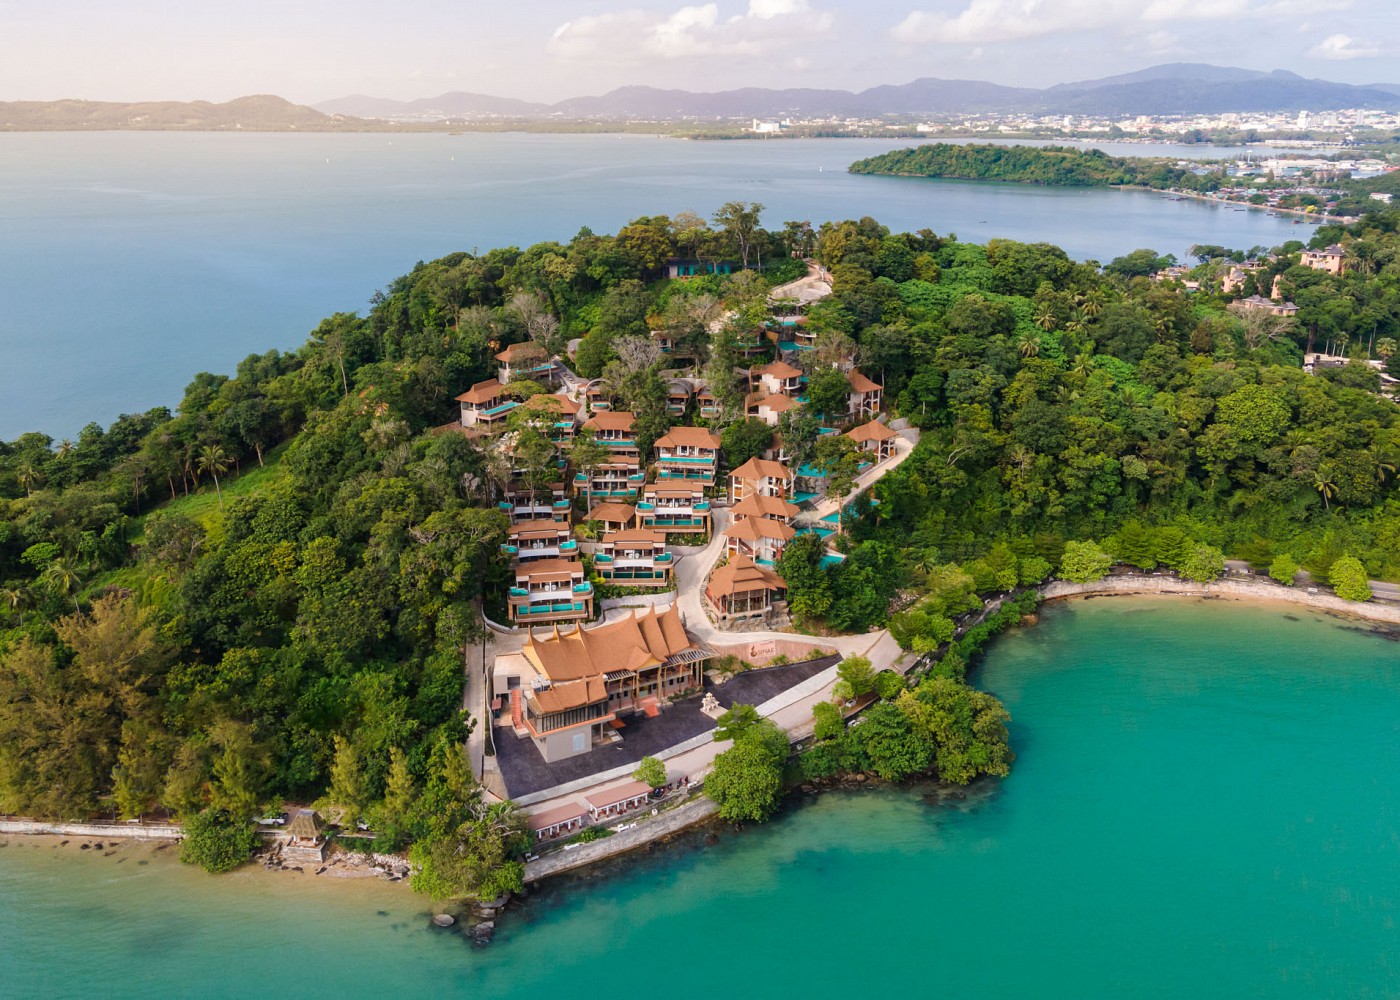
[267, 593]
[1054, 166]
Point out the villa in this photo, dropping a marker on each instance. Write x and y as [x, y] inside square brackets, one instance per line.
[559, 821]
[675, 506]
[565, 414]
[709, 406]
[613, 516]
[762, 539]
[773, 508]
[526, 360]
[678, 395]
[612, 802]
[539, 539]
[688, 453]
[769, 408]
[1329, 260]
[1262, 304]
[621, 475]
[865, 395]
[597, 397]
[634, 558]
[778, 378]
[875, 439]
[742, 590]
[550, 590]
[762, 477]
[566, 690]
[689, 267]
[525, 504]
[486, 405]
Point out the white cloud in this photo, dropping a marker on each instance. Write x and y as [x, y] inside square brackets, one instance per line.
[986, 21]
[1340, 47]
[764, 26]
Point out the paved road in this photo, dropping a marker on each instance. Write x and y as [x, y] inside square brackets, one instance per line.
[1380, 590]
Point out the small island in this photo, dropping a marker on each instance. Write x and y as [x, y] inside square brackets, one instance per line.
[1051, 166]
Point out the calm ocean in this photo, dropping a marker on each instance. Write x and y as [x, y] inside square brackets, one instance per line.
[129, 261]
[1204, 806]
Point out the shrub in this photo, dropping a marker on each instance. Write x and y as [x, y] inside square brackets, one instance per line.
[829, 723]
[216, 841]
[1348, 579]
[1084, 562]
[888, 684]
[1284, 569]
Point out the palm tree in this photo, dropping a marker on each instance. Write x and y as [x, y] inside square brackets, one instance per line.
[1385, 462]
[1028, 344]
[1385, 348]
[214, 460]
[1045, 319]
[1077, 322]
[16, 597]
[29, 477]
[65, 448]
[1324, 486]
[63, 576]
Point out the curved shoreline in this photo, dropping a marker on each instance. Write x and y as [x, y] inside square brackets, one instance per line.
[1141, 585]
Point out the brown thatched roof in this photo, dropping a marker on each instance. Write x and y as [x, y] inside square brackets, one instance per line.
[306, 824]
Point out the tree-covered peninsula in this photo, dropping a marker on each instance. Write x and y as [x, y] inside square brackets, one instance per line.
[1051, 166]
[267, 594]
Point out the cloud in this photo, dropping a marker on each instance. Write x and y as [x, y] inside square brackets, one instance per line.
[986, 21]
[1341, 47]
[700, 30]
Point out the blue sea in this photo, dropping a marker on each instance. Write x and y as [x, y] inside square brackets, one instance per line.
[1204, 806]
[130, 261]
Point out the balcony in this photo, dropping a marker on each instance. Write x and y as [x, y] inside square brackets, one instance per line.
[539, 610]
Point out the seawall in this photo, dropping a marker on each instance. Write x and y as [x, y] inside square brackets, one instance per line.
[108, 831]
[650, 829]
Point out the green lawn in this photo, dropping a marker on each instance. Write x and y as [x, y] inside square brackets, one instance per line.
[202, 507]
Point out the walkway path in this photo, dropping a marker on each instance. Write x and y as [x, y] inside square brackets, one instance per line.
[903, 448]
[1380, 590]
[813, 287]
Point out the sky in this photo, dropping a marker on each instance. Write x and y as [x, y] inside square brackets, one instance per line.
[546, 50]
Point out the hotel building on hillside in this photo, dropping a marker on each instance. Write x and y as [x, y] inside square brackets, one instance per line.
[675, 507]
[634, 558]
[757, 475]
[548, 591]
[486, 405]
[688, 453]
[524, 361]
[565, 689]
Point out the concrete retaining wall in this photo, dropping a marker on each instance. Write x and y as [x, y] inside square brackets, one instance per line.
[647, 830]
[106, 831]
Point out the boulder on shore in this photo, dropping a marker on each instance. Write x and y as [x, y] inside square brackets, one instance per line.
[444, 919]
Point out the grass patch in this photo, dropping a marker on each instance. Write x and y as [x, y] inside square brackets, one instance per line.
[203, 507]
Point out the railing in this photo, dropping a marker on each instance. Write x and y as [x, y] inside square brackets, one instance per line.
[583, 588]
[707, 459]
[493, 411]
[570, 546]
[568, 607]
[602, 559]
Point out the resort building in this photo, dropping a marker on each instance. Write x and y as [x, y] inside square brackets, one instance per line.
[750, 342]
[678, 395]
[635, 557]
[762, 539]
[778, 378]
[1269, 306]
[304, 838]
[688, 453]
[621, 475]
[485, 405]
[539, 539]
[525, 504]
[597, 397]
[550, 590]
[1329, 260]
[526, 360]
[865, 395]
[559, 821]
[613, 516]
[740, 589]
[558, 416]
[675, 507]
[769, 408]
[566, 690]
[707, 404]
[772, 508]
[689, 267]
[614, 430]
[875, 439]
[762, 477]
[613, 802]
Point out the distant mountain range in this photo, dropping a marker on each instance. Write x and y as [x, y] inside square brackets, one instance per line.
[254, 114]
[1178, 88]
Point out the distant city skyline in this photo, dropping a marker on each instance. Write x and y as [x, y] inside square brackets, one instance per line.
[548, 50]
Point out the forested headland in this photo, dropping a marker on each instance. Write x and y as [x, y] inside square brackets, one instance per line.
[266, 593]
[1052, 166]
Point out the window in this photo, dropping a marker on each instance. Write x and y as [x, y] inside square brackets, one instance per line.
[579, 742]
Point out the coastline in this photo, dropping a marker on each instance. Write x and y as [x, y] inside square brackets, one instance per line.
[1252, 590]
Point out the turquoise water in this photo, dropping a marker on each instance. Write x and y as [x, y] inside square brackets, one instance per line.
[131, 260]
[1205, 805]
